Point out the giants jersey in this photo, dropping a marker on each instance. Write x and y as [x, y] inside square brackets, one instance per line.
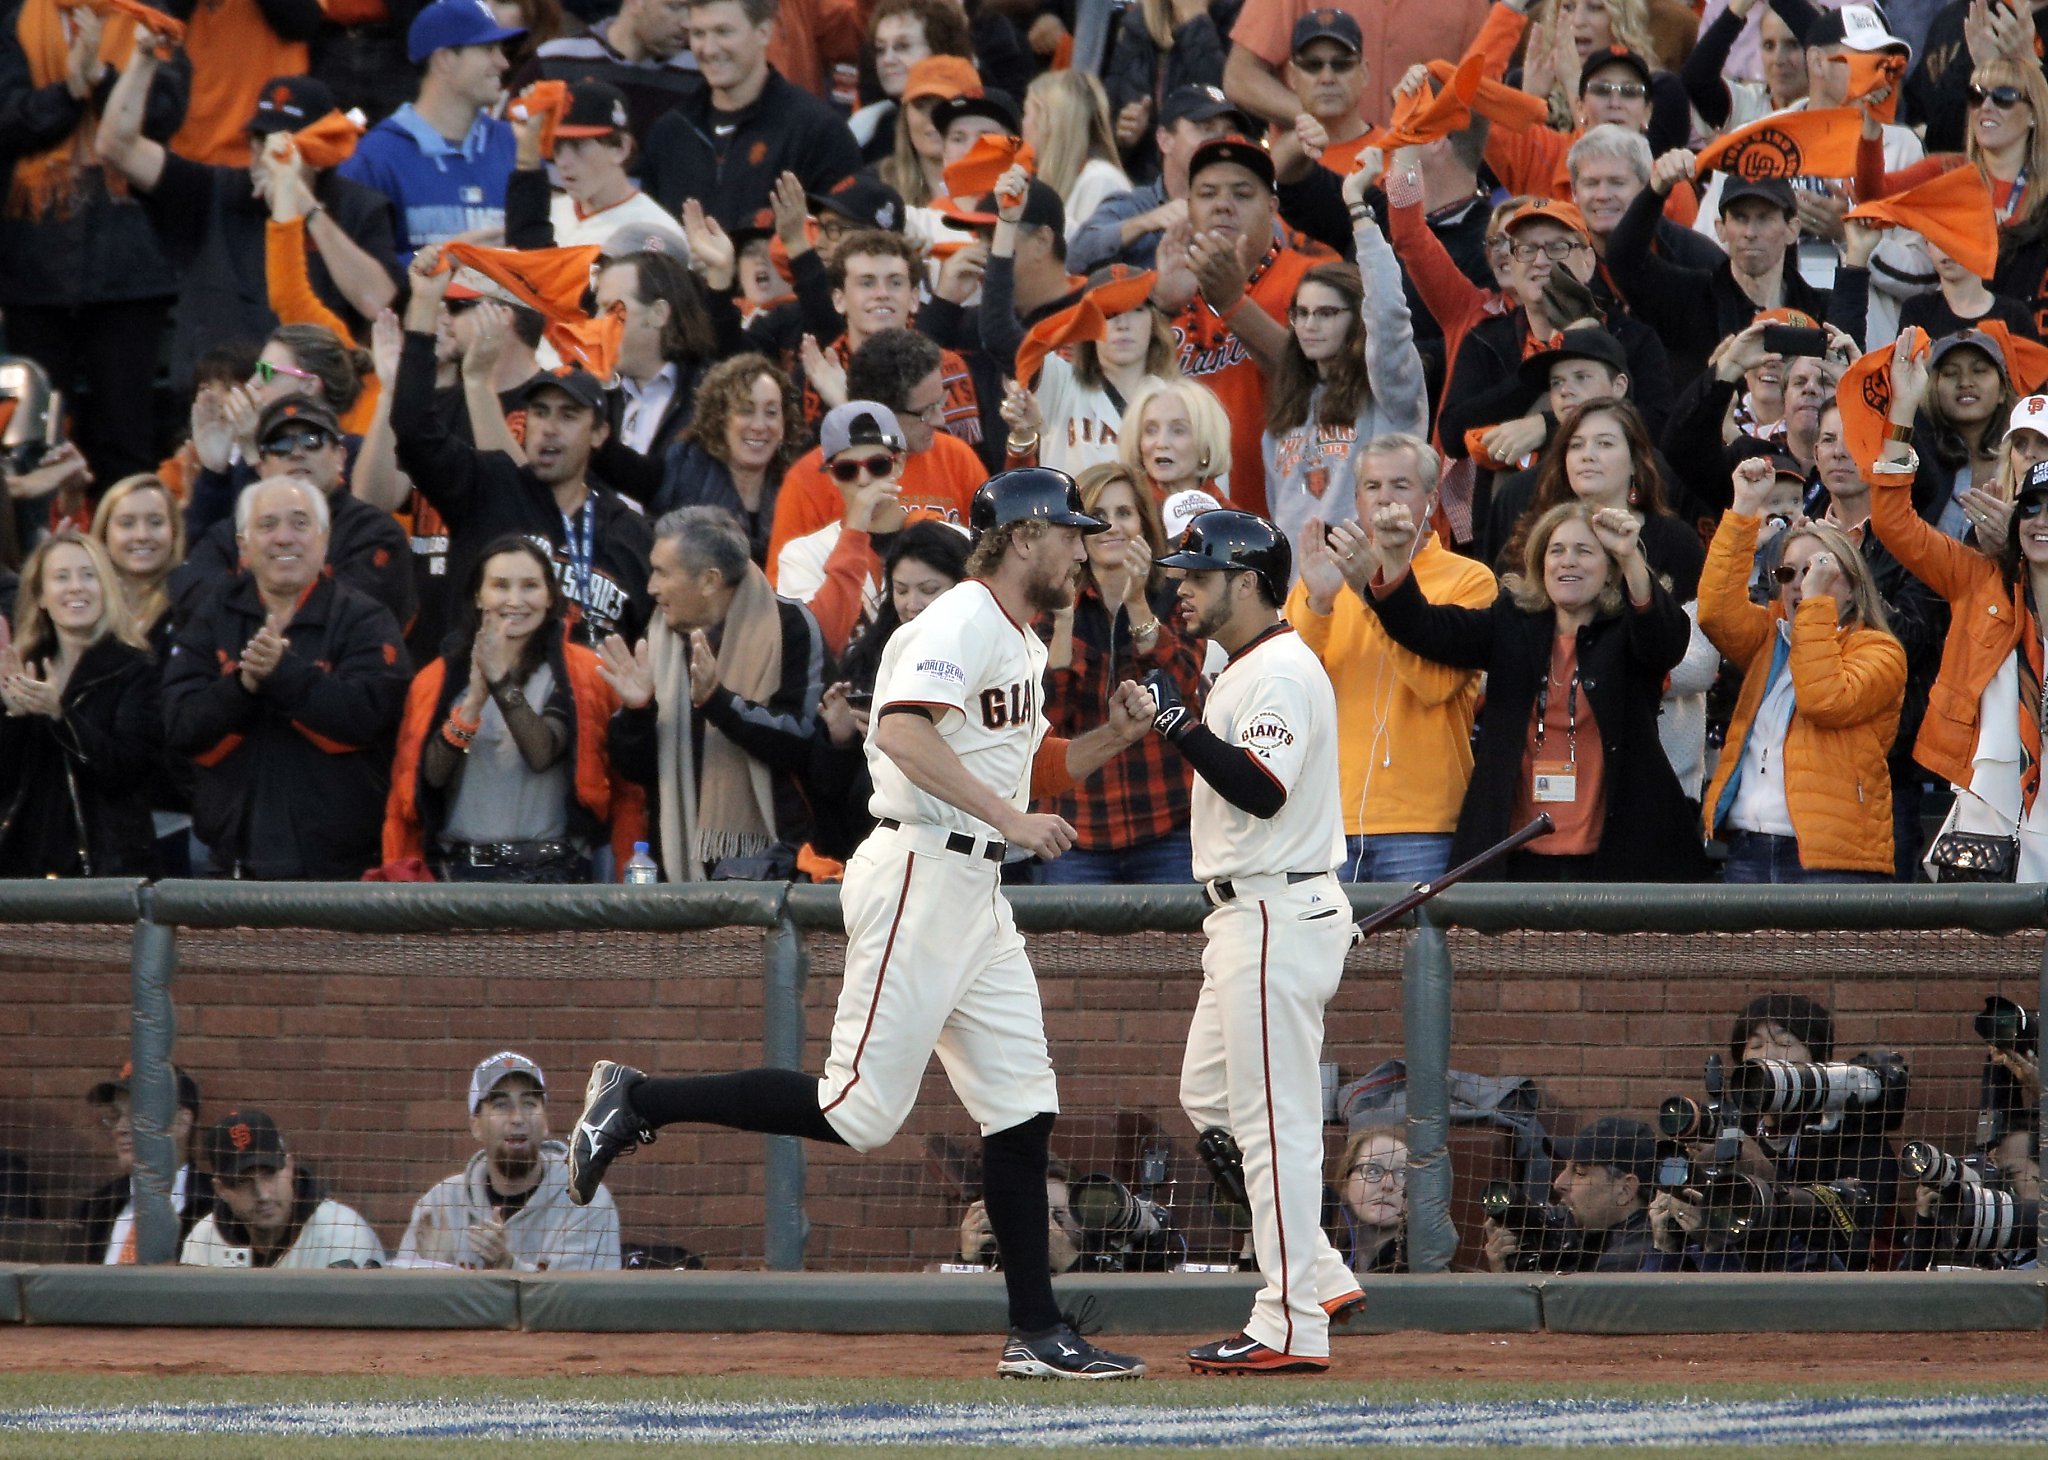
[1274, 700]
[979, 672]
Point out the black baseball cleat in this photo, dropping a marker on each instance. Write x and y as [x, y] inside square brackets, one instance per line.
[1239, 1354]
[608, 1127]
[1061, 1353]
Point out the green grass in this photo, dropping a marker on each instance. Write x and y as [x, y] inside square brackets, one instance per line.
[27, 1390]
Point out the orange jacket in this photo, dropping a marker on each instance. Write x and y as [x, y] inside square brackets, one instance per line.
[1848, 685]
[425, 710]
[1986, 619]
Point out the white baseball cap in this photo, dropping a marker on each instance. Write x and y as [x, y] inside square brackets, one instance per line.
[2031, 414]
[491, 1073]
[1184, 507]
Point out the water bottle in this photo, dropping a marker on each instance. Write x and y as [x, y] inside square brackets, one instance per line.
[640, 868]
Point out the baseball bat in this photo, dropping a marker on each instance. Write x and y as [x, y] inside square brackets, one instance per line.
[1402, 906]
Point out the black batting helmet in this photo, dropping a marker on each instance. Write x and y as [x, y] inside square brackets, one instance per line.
[1026, 492]
[1232, 541]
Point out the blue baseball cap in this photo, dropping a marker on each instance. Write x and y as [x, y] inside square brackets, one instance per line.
[449, 23]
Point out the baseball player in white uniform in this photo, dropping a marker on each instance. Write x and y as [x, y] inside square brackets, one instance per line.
[1269, 835]
[957, 747]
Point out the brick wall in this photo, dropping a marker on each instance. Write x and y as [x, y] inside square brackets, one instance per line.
[361, 1048]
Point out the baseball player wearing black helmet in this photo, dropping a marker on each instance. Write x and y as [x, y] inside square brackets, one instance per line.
[1268, 837]
[957, 746]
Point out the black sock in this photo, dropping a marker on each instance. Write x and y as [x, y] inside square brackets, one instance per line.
[1013, 1186]
[774, 1102]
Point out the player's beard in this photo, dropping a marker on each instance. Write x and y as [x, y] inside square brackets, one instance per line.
[1052, 595]
[1214, 617]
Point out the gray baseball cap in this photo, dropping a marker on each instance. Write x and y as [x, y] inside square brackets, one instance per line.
[492, 1072]
[859, 423]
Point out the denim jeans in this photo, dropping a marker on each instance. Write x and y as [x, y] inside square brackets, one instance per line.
[1754, 857]
[1416, 856]
[1169, 858]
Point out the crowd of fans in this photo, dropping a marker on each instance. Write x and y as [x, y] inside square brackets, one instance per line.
[472, 478]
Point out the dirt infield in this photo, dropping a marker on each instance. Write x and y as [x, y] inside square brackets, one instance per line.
[1973, 1359]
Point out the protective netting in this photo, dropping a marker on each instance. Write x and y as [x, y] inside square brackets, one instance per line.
[361, 1048]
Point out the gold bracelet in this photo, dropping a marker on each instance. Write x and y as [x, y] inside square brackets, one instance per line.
[1146, 630]
[1030, 444]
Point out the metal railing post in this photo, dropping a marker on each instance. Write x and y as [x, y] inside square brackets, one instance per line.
[153, 1086]
[782, 1048]
[1426, 1036]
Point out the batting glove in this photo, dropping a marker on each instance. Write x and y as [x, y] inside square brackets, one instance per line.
[1171, 717]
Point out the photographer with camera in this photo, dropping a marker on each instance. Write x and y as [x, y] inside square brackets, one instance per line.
[1983, 1210]
[1601, 1220]
[1093, 1222]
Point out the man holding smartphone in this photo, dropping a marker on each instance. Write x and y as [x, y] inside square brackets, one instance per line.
[1694, 309]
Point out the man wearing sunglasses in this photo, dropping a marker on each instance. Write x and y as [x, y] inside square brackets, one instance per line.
[1328, 74]
[298, 437]
[837, 569]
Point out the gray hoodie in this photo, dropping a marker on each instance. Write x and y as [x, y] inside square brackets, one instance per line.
[1309, 470]
[548, 1234]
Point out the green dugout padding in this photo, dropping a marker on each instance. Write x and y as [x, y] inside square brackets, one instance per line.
[10, 1291]
[190, 1297]
[1944, 1302]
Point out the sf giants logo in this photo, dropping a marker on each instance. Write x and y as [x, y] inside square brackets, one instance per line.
[1013, 706]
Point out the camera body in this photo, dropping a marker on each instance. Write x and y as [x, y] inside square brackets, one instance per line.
[1122, 1230]
[1748, 1214]
[1550, 1240]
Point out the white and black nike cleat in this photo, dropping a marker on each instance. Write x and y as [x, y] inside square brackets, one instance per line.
[1240, 1354]
[608, 1127]
[1062, 1353]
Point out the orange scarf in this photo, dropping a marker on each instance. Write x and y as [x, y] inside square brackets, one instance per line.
[53, 183]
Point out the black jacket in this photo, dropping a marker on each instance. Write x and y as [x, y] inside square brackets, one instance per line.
[366, 549]
[2022, 271]
[1691, 309]
[692, 477]
[103, 250]
[1139, 71]
[482, 495]
[213, 226]
[100, 1209]
[75, 792]
[786, 129]
[1652, 832]
[292, 778]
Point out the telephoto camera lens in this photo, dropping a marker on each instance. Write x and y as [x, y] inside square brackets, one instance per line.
[1681, 1118]
[1985, 1219]
[1872, 1084]
[1105, 1207]
[2005, 1025]
[1929, 1165]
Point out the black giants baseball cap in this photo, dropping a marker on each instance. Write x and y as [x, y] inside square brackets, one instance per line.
[243, 1140]
[1233, 148]
[1327, 25]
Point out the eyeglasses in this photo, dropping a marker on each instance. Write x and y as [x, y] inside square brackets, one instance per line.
[933, 414]
[2005, 98]
[301, 438]
[1633, 90]
[1374, 1171]
[1785, 573]
[1557, 250]
[1321, 314]
[1335, 65]
[267, 372]
[876, 467]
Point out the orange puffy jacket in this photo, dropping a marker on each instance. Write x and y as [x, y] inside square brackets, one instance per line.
[1986, 618]
[1848, 685]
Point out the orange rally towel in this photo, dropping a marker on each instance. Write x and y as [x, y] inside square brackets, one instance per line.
[1501, 104]
[548, 100]
[1952, 211]
[1869, 70]
[1124, 291]
[989, 158]
[1791, 144]
[330, 141]
[1865, 395]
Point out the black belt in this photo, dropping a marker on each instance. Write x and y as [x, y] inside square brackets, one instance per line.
[957, 841]
[1226, 893]
[510, 854]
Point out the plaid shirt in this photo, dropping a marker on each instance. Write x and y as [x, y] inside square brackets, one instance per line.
[1141, 793]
